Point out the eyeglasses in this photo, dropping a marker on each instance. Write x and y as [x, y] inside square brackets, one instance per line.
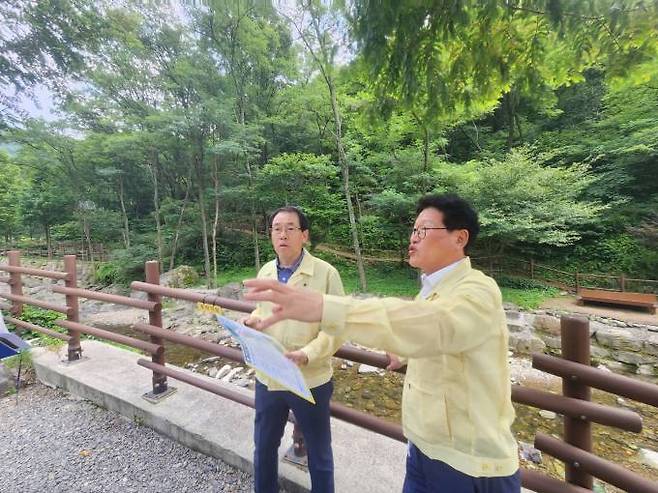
[422, 232]
[277, 230]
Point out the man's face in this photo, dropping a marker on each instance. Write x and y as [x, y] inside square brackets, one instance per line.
[440, 247]
[287, 237]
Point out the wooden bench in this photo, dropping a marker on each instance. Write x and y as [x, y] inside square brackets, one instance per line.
[642, 300]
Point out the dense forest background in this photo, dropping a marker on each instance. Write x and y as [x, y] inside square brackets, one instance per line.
[180, 125]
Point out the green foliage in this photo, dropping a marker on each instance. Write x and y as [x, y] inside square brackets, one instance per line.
[521, 283]
[528, 299]
[234, 275]
[308, 181]
[456, 59]
[178, 132]
[521, 201]
[9, 185]
[125, 265]
[42, 318]
[616, 254]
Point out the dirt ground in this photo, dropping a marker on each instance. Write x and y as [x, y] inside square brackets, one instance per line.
[630, 315]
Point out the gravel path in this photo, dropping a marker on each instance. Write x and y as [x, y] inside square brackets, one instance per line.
[53, 442]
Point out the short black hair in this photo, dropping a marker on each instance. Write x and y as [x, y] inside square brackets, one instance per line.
[303, 220]
[457, 214]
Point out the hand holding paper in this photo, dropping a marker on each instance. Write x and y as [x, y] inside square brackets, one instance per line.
[290, 303]
[267, 356]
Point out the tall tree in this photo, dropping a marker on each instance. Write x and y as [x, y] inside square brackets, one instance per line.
[319, 27]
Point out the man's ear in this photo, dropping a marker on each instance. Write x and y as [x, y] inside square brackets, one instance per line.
[462, 238]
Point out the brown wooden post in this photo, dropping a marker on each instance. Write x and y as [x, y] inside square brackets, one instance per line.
[297, 454]
[577, 432]
[152, 270]
[15, 282]
[71, 281]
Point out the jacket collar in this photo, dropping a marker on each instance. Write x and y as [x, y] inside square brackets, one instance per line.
[305, 268]
[461, 270]
[308, 264]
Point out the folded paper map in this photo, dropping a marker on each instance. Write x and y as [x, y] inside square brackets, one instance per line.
[266, 355]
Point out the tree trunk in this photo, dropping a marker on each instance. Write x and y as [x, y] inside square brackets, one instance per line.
[510, 102]
[254, 219]
[87, 231]
[49, 246]
[215, 224]
[154, 167]
[345, 171]
[426, 148]
[126, 228]
[198, 165]
[179, 224]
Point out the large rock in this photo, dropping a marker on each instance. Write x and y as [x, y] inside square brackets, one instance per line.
[232, 290]
[648, 370]
[526, 343]
[595, 326]
[552, 342]
[516, 325]
[649, 457]
[651, 344]
[181, 277]
[633, 358]
[617, 338]
[547, 323]
[598, 353]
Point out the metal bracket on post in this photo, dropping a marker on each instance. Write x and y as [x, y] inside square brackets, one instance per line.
[159, 393]
[161, 389]
[296, 454]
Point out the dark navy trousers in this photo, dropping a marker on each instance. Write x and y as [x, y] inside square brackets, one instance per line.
[425, 475]
[271, 416]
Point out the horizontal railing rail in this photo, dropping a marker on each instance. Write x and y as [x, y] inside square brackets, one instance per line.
[596, 466]
[109, 298]
[111, 336]
[46, 305]
[37, 328]
[577, 408]
[599, 379]
[51, 274]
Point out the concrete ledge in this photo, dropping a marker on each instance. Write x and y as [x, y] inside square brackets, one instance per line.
[365, 462]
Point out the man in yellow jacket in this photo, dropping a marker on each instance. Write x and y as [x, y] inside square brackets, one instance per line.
[308, 347]
[456, 403]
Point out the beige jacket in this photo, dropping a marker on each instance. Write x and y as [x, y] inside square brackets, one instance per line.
[319, 347]
[456, 403]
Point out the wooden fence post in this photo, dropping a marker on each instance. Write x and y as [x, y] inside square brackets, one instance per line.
[15, 282]
[73, 315]
[160, 387]
[577, 432]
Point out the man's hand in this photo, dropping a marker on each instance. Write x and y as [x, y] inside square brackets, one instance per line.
[249, 321]
[289, 303]
[298, 357]
[394, 362]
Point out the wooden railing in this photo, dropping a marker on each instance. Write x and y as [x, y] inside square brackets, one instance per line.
[575, 449]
